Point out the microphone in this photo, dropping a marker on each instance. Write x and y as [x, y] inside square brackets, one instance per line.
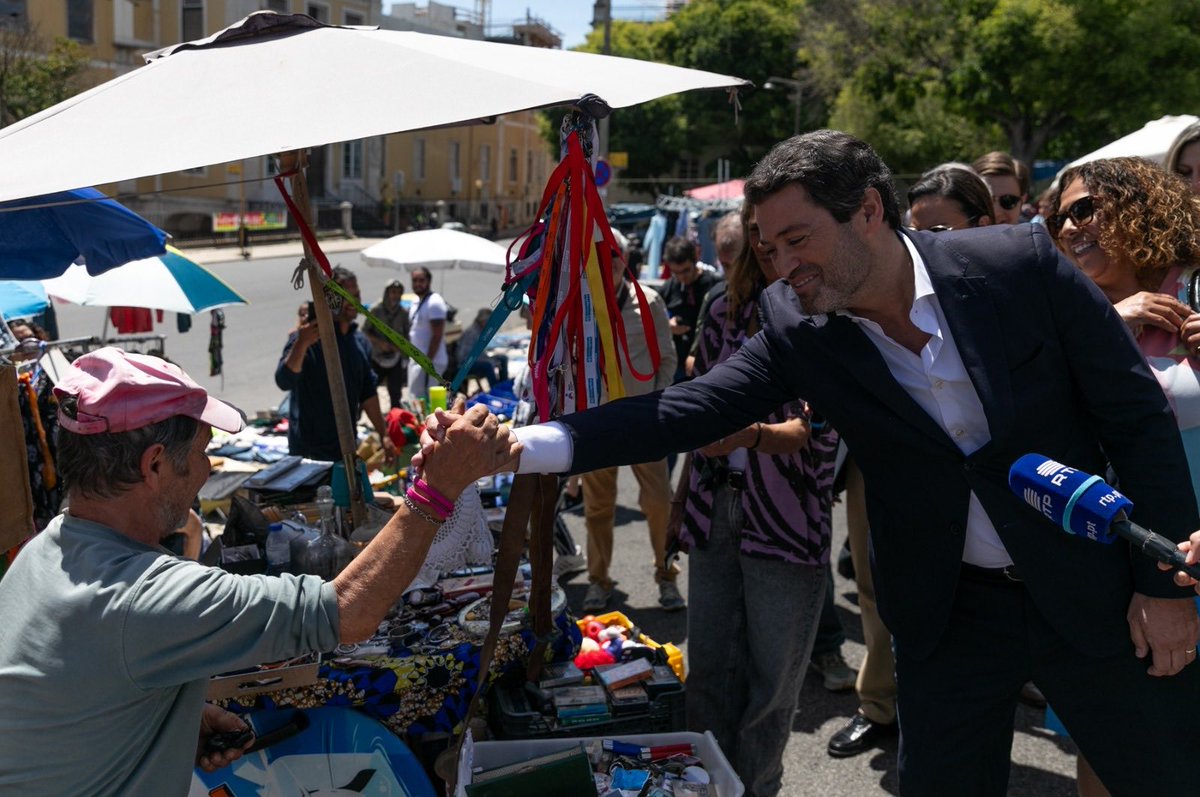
[1084, 505]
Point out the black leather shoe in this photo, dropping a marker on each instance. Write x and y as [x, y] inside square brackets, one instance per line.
[859, 735]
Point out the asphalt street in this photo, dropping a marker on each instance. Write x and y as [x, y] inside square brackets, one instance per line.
[1043, 764]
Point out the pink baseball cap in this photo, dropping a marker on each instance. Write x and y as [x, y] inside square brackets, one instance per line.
[116, 392]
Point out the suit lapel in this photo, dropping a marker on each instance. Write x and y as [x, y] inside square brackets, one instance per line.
[971, 315]
[865, 364]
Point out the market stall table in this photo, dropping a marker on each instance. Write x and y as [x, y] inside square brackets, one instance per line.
[413, 692]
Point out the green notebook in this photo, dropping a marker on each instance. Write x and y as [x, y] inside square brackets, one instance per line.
[552, 775]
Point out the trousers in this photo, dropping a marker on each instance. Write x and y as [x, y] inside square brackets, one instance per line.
[876, 684]
[600, 509]
[956, 705]
[751, 625]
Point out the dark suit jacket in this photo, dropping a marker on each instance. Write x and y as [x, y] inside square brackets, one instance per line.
[1058, 373]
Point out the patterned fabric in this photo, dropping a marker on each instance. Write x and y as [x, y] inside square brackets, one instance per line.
[413, 693]
[786, 506]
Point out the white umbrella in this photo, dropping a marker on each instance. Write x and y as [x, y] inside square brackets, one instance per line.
[170, 282]
[1151, 141]
[437, 249]
[175, 113]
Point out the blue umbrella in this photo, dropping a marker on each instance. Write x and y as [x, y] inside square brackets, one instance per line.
[22, 298]
[41, 236]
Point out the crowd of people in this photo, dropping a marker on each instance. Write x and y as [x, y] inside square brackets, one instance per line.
[935, 346]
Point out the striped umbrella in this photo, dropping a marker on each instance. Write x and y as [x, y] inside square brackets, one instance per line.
[170, 281]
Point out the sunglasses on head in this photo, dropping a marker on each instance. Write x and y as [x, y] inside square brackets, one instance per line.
[1080, 213]
[1008, 201]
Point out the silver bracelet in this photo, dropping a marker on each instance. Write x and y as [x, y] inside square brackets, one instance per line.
[412, 507]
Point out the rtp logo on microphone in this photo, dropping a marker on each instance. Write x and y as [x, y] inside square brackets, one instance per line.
[1041, 503]
[1056, 472]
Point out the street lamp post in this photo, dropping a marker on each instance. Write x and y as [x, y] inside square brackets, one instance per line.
[774, 82]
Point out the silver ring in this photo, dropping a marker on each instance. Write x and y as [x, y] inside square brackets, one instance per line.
[1189, 652]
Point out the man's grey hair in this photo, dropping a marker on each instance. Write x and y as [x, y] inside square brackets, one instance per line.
[107, 464]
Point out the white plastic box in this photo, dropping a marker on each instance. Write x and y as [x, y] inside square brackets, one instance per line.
[499, 753]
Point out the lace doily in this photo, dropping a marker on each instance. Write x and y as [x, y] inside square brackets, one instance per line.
[464, 539]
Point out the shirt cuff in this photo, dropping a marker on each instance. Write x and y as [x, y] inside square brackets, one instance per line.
[547, 448]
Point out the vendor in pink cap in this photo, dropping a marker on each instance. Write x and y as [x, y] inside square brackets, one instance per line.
[108, 640]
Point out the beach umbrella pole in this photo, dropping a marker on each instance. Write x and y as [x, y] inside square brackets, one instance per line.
[329, 345]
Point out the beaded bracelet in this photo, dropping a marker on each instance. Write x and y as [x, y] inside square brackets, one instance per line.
[435, 497]
[419, 512]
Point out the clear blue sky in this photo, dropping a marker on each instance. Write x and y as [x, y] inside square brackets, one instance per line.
[571, 18]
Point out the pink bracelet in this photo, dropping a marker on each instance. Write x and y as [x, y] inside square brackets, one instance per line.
[417, 498]
[437, 498]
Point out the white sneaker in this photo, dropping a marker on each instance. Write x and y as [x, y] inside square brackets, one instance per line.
[568, 564]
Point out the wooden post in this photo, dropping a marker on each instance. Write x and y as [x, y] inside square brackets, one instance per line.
[297, 162]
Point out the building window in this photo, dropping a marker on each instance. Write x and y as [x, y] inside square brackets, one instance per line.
[191, 20]
[278, 6]
[512, 165]
[318, 12]
[352, 160]
[79, 20]
[419, 158]
[485, 161]
[455, 160]
[351, 18]
[13, 14]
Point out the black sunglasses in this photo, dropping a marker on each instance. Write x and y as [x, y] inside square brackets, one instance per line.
[1008, 201]
[1080, 213]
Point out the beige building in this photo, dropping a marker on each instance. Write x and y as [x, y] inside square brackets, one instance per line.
[474, 174]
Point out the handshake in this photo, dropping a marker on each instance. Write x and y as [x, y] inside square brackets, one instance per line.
[460, 445]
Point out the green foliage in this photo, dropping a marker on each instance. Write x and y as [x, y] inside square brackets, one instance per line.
[753, 39]
[33, 76]
[930, 80]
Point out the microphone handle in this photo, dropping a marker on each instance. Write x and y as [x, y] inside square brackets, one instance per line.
[1154, 546]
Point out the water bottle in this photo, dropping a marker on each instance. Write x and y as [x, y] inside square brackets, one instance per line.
[279, 552]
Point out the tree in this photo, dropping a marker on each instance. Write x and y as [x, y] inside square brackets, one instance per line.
[753, 39]
[34, 75]
[1054, 77]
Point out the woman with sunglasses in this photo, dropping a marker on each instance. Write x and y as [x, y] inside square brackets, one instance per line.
[949, 197]
[1008, 181]
[1134, 229]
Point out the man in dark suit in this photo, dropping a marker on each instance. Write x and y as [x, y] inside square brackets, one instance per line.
[941, 359]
